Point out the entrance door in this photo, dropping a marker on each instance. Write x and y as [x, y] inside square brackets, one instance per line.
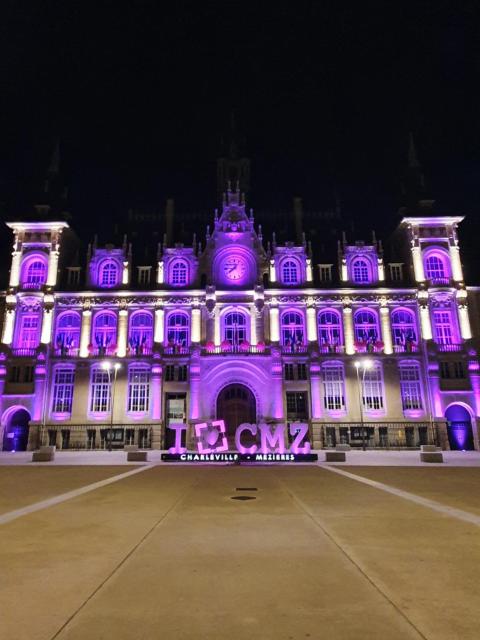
[16, 431]
[236, 404]
[459, 426]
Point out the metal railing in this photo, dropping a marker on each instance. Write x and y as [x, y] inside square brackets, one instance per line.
[449, 347]
[21, 352]
[92, 437]
[336, 349]
[177, 350]
[380, 435]
[405, 348]
[234, 348]
[294, 348]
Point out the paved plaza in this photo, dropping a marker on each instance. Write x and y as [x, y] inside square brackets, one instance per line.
[104, 551]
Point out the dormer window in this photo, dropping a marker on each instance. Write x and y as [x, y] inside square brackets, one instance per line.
[108, 274]
[144, 275]
[178, 273]
[360, 271]
[290, 272]
[396, 271]
[325, 271]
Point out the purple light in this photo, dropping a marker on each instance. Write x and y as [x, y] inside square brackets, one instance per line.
[179, 429]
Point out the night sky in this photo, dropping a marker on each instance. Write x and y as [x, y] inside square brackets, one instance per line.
[324, 95]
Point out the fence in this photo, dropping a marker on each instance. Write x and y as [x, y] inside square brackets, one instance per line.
[378, 435]
[96, 437]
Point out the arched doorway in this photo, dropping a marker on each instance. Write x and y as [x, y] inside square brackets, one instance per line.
[236, 404]
[459, 428]
[15, 434]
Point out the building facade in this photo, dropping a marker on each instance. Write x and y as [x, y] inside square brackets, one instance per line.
[366, 351]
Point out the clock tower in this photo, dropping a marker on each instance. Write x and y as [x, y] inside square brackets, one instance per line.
[234, 252]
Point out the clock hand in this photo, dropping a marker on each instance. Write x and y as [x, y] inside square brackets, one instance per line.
[233, 268]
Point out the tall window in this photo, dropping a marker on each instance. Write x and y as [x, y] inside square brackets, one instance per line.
[235, 327]
[141, 331]
[297, 405]
[360, 271]
[411, 386]
[366, 326]
[100, 391]
[35, 274]
[290, 272]
[404, 329]
[28, 331]
[178, 329]
[372, 388]
[63, 381]
[104, 330]
[179, 273]
[436, 267]
[442, 322]
[138, 389]
[67, 335]
[333, 378]
[292, 329]
[329, 328]
[108, 276]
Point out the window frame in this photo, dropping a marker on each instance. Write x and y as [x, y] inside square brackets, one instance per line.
[138, 391]
[62, 391]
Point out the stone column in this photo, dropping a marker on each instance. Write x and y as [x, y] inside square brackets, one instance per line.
[195, 385]
[196, 333]
[52, 268]
[386, 329]
[15, 269]
[418, 264]
[159, 333]
[156, 390]
[47, 317]
[85, 332]
[216, 327]
[274, 324]
[311, 324]
[253, 325]
[348, 330]
[315, 390]
[39, 400]
[9, 323]
[277, 385]
[457, 272]
[122, 333]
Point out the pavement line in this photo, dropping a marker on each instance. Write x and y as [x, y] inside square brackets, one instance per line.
[445, 510]
[127, 556]
[63, 497]
[302, 506]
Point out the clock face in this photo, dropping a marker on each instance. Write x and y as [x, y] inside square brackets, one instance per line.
[234, 268]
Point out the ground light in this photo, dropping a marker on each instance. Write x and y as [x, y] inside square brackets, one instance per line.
[108, 367]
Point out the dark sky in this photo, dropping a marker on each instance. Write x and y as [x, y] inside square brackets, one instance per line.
[324, 94]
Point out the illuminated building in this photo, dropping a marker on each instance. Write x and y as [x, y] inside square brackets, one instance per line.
[365, 350]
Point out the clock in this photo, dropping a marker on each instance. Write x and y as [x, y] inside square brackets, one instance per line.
[234, 268]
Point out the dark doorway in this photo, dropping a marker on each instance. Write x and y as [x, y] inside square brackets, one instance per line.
[15, 437]
[459, 426]
[236, 404]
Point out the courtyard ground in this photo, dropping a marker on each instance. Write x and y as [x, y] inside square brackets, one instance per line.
[337, 552]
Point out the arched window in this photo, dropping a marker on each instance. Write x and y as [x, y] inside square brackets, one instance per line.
[329, 329]
[108, 274]
[140, 337]
[104, 331]
[290, 272]
[436, 267]
[292, 329]
[404, 330]
[360, 271]
[178, 330]
[67, 333]
[235, 327]
[179, 273]
[366, 326]
[34, 272]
